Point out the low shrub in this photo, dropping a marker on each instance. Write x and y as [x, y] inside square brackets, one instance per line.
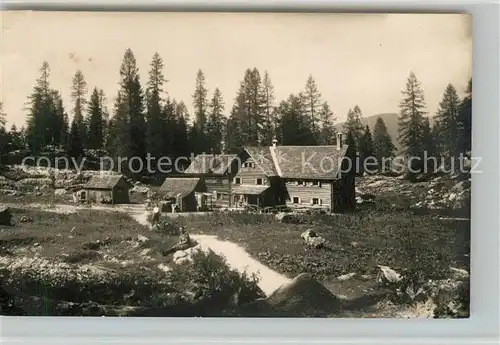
[212, 286]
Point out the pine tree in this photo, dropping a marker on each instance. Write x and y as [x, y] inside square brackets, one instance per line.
[200, 105]
[354, 125]
[365, 150]
[57, 119]
[95, 134]
[3, 116]
[327, 130]
[181, 144]
[15, 140]
[465, 121]
[312, 104]
[75, 148]
[429, 145]
[4, 138]
[155, 119]
[237, 124]
[294, 128]
[78, 94]
[40, 112]
[105, 117]
[127, 128]
[216, 122]
[447, 117]
[411, 120]
[270, 114]
[383, 147]
[65, 131]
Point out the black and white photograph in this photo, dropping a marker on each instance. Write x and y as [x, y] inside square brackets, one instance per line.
[225, 164]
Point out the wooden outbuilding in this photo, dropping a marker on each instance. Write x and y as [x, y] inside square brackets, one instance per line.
[188, 194]
[108, 189]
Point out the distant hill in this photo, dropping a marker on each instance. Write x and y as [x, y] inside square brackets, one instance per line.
[391, 121]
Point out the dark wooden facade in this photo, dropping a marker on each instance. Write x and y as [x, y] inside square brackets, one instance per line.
[113, 189]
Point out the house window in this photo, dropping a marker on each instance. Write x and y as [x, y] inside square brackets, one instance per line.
[237, 180]
[316, 201]
[316, 183]
[248, 165]
[259, 181]
[300, 183]
[296, 200]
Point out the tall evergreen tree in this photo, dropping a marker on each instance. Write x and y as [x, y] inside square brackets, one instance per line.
[383, 146]
[429, 145]
[237, 124]
[40, 112]
[327, 130]
[365, 149]
[78, 94]
[155, 119]
[16, 139]
[447, 117]
[270, 114]
[95, 122]
[127, 132]
[294, 129]
[465, 121]
[200, 105]
[411, 120]
[181, 143]
[354, 125]
[216, 122]
[57, 119]
[312, 104]
[105, 116]
[75, 147]
[4, 138]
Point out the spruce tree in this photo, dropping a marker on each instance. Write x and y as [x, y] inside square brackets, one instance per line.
[105, 117]
[216, 122]
[294, 127]
[270, 122]
[429, 146]
[3, 116]
[40, 110]
[200, 105]
[4, 138]
[411, 121]
[95, 135]
[181, 144]
[353, 126]
[327, 130]
[465, 121]
[237, 125]
[383, 147]
[312, 105]
[75, 148]
[365, 150]
[78, 94]
[15, 139]
[156, 134]
[447, 117]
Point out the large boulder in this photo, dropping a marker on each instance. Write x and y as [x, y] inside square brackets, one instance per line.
[312, 239]
[287, 217]
[304, 296]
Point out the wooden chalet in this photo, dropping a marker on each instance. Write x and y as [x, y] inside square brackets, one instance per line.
[106, 189]
[218, 172]
[317, 176]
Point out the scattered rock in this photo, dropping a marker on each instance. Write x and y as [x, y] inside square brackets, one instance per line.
[26, 219]
[346, 276]
[312, 239]
[142, 239]
[287, 217]
[459, 274]
[388, 274]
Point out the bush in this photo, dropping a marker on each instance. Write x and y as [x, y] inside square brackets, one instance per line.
[171, 227]
[211, 286]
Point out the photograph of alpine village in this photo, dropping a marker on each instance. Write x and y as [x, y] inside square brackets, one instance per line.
[235, 164]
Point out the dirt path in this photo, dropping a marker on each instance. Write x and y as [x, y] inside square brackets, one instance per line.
[240, 260]
[235, 255]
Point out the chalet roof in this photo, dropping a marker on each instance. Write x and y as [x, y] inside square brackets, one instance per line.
[103, 182]
[249, 189]
[179, 186]
[263, 158]
[308, 162]
[211, 164]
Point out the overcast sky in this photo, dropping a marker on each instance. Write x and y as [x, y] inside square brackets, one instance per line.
[355, 59]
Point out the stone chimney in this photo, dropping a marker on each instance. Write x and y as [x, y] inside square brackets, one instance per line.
[339, 141]
[275, 141]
